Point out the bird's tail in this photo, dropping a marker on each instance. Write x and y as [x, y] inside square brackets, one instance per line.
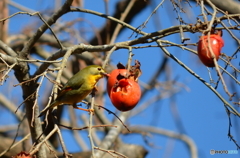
[44, 111]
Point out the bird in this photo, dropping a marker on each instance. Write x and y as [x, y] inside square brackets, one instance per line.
[77, 87]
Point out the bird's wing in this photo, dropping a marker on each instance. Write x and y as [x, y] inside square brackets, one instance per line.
[73, 84]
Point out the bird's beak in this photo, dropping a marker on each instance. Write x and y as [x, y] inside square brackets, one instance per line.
[105, 74]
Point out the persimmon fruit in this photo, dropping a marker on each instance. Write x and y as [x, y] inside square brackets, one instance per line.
[123, 89]
[216, 43]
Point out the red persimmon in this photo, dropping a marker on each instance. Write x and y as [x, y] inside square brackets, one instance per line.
[216, 43]
[125, 94]
[123, 91]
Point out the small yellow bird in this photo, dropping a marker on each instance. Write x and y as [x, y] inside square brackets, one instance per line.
[78, 87]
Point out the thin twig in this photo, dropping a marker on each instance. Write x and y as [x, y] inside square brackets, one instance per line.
[153, 12]
[213, 17]
[9, 67]
[25, 101]
[32, 79]
[202, 9]
[36, 100]
[129, 59]
[39, 15]
[177, 6]
[220, 75]
[90, 124]
[66, 154]
[35, 149]
[224, 70]
[37, 60]
[110, 112]
[95, 136]
[111, 152]
[60, 44]
[108, 56]
[86, 127]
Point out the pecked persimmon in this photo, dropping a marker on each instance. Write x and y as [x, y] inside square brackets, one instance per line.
[216, 43]
[125, 94]
[122, 87]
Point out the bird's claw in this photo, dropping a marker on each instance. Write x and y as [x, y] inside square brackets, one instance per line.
[91, 111]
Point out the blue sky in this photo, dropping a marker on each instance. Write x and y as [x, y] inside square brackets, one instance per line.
[201, 113]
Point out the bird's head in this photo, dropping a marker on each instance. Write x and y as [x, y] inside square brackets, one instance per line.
[97, 71]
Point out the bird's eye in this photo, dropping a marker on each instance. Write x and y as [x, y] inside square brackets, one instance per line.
[99, 69]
